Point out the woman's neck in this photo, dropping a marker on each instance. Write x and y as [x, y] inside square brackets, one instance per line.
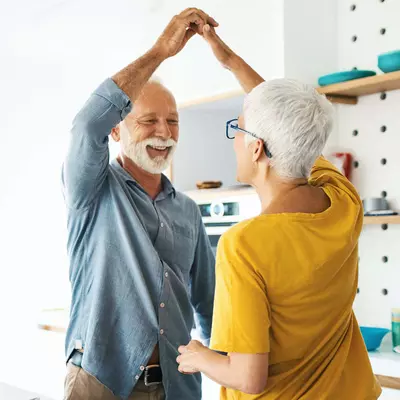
[276, 193]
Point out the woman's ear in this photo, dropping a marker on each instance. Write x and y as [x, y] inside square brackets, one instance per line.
[258, 150]
[115, 133]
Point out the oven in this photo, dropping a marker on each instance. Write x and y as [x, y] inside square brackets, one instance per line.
[221, 209]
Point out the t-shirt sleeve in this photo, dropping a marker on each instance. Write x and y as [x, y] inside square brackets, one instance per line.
[241, 319]
[324, 172]
[324, 167]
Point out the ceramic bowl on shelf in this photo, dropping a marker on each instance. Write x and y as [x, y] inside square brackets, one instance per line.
[344, 76]
[389, 62]
[375, 204]
[373, 336]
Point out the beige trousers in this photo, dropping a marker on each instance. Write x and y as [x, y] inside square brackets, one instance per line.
[79, 385]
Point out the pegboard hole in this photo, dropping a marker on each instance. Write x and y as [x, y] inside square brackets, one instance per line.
[353, 7]
[383, 31]
[384, 193]
[354, 38]
[355, 68]
[356, 164]
[383, 161]
[358, 290]
[383, 96]
[385, 259]
[384, 227]
[355, 132]
[385, 292]
[383, 128]
[382, 1]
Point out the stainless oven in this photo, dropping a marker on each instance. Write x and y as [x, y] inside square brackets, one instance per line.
[221, 209]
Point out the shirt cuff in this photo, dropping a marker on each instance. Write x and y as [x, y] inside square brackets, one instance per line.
[115, 95]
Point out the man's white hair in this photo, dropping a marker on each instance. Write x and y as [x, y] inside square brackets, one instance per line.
[294, 121]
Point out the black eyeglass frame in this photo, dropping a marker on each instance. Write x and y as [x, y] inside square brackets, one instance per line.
[231, 124]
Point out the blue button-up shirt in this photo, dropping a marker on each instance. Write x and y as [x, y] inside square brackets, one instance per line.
[138, 267]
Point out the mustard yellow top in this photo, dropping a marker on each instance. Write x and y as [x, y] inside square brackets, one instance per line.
[285, 286]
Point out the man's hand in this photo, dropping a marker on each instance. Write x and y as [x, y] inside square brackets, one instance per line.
[181, 28]
[220, 49]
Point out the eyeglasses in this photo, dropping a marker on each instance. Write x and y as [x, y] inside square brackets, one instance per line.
[232, 126]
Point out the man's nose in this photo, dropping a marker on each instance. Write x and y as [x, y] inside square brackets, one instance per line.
[163, 130]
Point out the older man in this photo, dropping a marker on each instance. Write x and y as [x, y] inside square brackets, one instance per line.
[140, 259]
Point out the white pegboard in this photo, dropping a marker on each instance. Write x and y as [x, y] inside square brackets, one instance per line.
[369, 146]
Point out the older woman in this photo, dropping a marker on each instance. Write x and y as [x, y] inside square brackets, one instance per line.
[286, 280]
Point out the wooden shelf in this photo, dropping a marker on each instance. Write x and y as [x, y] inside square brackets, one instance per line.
[348, 92]
[384, 219]
[344, 93]
[211, 99]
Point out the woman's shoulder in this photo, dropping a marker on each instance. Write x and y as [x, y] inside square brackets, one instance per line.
[250, 230]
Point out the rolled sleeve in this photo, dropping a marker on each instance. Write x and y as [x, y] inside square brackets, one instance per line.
[112, 92]
[86, 165]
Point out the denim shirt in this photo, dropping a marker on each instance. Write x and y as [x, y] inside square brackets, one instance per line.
[140, 269]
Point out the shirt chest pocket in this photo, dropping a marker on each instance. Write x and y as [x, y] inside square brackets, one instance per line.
[184, 245]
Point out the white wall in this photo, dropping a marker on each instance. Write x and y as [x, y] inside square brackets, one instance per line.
[311, 45]
[369, 147]
[254, 31]
[310, 39]
[204, 153]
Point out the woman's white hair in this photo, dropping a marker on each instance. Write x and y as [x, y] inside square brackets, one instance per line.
[294, 121]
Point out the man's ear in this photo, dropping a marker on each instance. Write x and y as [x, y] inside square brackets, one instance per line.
[258, 150]
[115, 133]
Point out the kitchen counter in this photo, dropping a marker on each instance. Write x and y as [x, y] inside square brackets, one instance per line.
[54, 320]
[386, 364]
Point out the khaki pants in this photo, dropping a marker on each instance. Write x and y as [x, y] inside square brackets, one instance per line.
[79, 385]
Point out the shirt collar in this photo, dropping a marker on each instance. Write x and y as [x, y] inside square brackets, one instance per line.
[168, 188]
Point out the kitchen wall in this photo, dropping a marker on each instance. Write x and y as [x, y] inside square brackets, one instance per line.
[204, 153]
[379, 281]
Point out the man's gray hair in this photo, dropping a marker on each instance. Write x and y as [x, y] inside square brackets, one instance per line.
[294, 121]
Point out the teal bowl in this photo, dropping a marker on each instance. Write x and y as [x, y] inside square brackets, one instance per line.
[373, 336]
[344, 76]
[389, 62]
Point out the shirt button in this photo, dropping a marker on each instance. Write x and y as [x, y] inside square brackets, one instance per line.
[162, 331]
[166, 274]
[162, 305]
[142, 368]
[162, 224]
[137, 377]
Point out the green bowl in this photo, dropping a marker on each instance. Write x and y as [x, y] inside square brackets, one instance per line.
[373, 336]
[344, 76]
[389, 62]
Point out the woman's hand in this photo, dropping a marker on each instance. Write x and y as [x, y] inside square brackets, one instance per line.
[220, 49]
[190, 356]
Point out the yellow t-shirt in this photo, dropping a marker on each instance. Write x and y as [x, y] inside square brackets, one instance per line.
[285, 286]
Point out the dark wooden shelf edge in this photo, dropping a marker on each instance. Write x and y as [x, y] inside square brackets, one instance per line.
[342, 99]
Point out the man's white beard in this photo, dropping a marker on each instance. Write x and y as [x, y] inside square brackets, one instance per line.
[137, 152]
